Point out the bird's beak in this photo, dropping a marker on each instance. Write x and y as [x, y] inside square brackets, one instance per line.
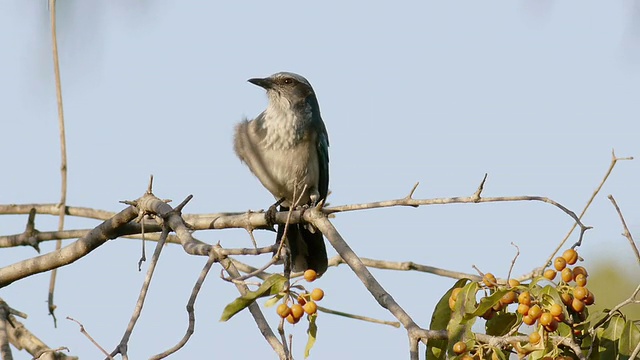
[265, 83]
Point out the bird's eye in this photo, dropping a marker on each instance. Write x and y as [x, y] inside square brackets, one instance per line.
[288, 80]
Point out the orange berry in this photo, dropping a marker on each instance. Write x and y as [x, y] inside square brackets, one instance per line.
[559, 318]
[555, 310]
[566, 274]
[571, 256]
[577, 305]
[302, 298]
[310, 308]
[508, 298]
[317, 294]
[590, 299]
[525, 298]
[546, 319]
[283, 310]
[498, 306]
[550, 274]
[297, 311]
[459, 347]
[560, 263]
[535, 311]
[310, 275]
[513, 283]
[581, 280]
[489, 280]
[488, 315]
[566, 298]
[523, 309]
[534, 338]
[579, 270]
[292, 320]
[528, 320]
[580, 292]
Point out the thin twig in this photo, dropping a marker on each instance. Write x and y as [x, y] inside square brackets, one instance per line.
[122, 346]
[359, 317]
[63, 153]
[85, 333]
[213, 257]
[626, 232]
[614, 161]
[513, 262]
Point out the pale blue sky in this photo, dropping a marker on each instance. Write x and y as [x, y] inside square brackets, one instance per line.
[535, 93]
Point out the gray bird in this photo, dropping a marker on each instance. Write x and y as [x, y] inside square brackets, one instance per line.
[287, 148]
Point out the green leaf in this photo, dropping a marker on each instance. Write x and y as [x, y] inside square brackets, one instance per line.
[437, 349]
[501, 324]
[608, 337]
[274, 300]
[629, 339]
[486, 303]
[312, 331]
[459, 328]
[273, 285]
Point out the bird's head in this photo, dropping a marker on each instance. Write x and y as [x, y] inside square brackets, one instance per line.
[285, 85]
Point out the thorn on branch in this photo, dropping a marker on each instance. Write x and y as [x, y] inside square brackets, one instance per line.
[182, 204]
[476, 195]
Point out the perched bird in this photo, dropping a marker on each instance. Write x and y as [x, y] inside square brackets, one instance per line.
[287, 149]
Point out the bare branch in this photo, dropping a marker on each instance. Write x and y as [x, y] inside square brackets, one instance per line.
[85, 333]
[626, 232]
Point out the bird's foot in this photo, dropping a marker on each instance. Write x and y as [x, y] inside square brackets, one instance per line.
[270, 214]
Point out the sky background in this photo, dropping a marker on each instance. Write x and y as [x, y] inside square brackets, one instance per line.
[534, 93]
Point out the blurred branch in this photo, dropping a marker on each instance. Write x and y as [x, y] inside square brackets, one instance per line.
[63, 153]
[626, 232]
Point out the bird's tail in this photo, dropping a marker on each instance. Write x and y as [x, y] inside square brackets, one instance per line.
[307, 248]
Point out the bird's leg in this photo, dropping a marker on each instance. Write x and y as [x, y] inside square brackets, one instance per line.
[270, 214]
[286, 254]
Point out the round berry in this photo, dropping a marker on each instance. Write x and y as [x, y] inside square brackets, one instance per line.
[459, 348]
[579, 270]
[577, 305]
[560, 263]
[292, 320]
[566, 298]
[525, 298]
[310, 308]
[546, 319]
[581, 280]
[550, 274]
[310, 275]
[489, 280]
[283, 310]
[555, 310]
[566, 274]
[514, 283]
[508, 298]
[317, 294]
[590, 299]
[571, 256]
[534, 338]
[523, 309]
[553, 326]
[302, 298]
[580, 292]
[297, 311]
[535, 311]
[528, 320]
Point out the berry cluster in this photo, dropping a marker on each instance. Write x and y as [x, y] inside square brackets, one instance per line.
[556, 309]
[305, 302]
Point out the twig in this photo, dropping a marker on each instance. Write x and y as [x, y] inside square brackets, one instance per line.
[63, 153]
[626, 232]
[5, 349]
[122, 346]
[359, 317]
[614, 160]
[85, 333]
[213, 257]
[513, 262]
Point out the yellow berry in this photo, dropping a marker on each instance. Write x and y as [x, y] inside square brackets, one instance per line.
[513, 283]
[508, 298]
[580, 292]
[535, 311]
[534, 338]
[489, 280]
[523, 309]
[310, 275]
[555, 310]
[550, 274]
[579, 270]
[292, 320]
[560, 263]
[317, 294]
[581, 280]
[577, 305]
[283, 310]
[525, 298]
[571, 256]
[297, 311]
[310, 308]
[528, 320]
[566, 274]
[546, 319]
[459, 347]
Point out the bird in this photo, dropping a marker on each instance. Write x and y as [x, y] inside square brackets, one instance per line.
[287, 148]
